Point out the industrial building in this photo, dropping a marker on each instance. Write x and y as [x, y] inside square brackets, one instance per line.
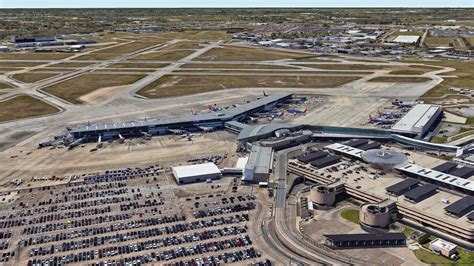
[258, 165]
[419, 119]
[196, 173]
[365, 240]
[407, 39]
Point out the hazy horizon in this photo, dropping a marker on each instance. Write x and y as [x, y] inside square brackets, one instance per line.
[235, 4]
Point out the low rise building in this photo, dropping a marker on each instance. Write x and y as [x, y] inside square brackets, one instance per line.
[196, 173]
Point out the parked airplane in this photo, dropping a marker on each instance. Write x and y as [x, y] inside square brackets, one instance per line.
[276, 115]
[214, 108]
[296, 111]
[380, 121]
[388, 115]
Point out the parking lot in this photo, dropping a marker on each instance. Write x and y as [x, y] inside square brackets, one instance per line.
[130, 216]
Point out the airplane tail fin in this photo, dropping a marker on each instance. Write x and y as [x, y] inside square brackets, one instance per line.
[370, 118]
[305, 110]
[193, 112]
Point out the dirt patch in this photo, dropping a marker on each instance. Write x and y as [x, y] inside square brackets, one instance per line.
[100, 95]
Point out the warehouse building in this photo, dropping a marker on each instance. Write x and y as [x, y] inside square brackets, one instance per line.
[419, 119]
[365, 240]
[196, 173]
[259, 164]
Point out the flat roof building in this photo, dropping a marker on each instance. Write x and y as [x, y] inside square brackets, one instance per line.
[196, 173]
[443, 247]
[365, 240]
[259, 164]
[408, 39]
[419, 119]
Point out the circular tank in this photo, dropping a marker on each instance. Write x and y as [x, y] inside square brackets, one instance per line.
[383, 158]
[374, 216]
[323, 195]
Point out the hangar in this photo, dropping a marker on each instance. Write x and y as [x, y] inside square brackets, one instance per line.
[196, 173]
[419, 119]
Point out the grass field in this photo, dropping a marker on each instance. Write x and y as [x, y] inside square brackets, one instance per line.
[71, 90]
[413, 70]
[20, 64]
[137, 65]
[236, 66]
[182, 45]
[175, 85]
[4, 85]
[115, 51]
[34, 56]
[29, 106]
[399, 79]
[70, 64]
[269, 71]
[351, 215]
[30, 77]
[432, 41]
[439, 139]
[195, 35]
[170, 55]
[234, 53]
[464, 71]
[348, 66]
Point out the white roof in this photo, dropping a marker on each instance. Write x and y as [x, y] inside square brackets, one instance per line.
[443, 244]
[345, 149]
[195, 170]
[406, 38]
[241, 162]
[450, 180]
[417, 118]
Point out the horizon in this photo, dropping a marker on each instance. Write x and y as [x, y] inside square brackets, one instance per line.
[77, 4]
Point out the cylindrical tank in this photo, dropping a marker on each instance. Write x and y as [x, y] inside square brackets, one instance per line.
[374, 216]
[323, 195]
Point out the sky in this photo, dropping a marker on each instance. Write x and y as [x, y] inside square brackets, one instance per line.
[232, 3]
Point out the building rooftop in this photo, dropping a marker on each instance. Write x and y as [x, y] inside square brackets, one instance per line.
[195, 170]
[443, 244]
[406, 39]
[365, 237]
[416, 118]
[436, 176]
[345, 149]
[224, 115]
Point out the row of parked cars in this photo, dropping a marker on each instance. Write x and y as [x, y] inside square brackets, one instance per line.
[77, 223]
[169, 229]
[154, 243]
[223, 210]
[171, 254]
